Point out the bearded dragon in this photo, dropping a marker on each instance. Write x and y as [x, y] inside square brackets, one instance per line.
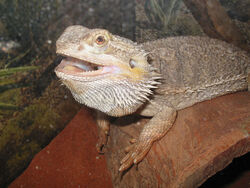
[117, 77]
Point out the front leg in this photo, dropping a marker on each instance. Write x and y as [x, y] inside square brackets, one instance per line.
[155, 129]
[103, 130]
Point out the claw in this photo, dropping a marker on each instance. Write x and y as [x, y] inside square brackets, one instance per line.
[126, 165]
[102, 141]
[133, 140]
[136, 154]
[99, 148]
[103, 131]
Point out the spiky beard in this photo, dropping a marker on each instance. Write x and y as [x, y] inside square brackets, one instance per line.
[115, 98]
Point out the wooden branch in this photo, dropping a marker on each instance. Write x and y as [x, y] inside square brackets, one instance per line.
[205, 139]
[215, 22]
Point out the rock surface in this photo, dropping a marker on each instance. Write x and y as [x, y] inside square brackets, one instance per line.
[70, 160]
[204, 139]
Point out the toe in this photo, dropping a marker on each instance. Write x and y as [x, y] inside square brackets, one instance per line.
[136, 154]
[140, 156]
[133, 140]
[128, 161]
[102, 141]
[128, 148]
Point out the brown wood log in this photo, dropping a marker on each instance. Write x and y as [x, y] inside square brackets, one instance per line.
[204, 139]
[215, 22]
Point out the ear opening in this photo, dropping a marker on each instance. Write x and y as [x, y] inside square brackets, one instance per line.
[149, 60]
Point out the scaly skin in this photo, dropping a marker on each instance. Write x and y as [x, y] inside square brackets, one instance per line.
[118, 77]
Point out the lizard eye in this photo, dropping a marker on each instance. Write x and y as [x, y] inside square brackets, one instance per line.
[132, 63]
[100, 40]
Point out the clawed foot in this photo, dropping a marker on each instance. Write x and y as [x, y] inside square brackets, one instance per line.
[102, 141]
[135, 153]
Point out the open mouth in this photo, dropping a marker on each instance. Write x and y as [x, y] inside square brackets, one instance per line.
[77, 67]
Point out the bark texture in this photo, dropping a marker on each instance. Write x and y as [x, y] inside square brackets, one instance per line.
[204, 139]
[215, 22]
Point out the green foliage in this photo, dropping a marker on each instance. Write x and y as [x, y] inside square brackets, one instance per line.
[8, 87]
[24, 155]
[7, 81]
[33, 127]
[10, 60]
[160, 12]
[12, 96]
[24, 22]
[9, 102]
[170, 18]
[36, 116]
[6, 106]
[27, 124]
[26, 133]
[10, 134]
[10, 71]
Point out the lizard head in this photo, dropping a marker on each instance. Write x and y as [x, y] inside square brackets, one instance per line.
[104, 71]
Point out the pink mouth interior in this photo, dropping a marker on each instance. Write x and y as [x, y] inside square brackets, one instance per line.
[74, 66]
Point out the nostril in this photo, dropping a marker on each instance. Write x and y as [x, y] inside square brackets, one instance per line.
[132, 63]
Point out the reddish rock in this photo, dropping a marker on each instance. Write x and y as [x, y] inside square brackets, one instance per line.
[204, 139]
[70, 160]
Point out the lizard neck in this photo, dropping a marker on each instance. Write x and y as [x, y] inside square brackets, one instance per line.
[115, 98]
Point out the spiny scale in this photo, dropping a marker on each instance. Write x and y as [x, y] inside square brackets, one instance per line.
[109, 96]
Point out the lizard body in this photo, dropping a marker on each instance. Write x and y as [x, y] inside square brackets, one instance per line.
[118, 77]
[195, 69]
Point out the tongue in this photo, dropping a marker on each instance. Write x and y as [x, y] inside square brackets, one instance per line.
[82, 66]
[73, 68]
[71, 64]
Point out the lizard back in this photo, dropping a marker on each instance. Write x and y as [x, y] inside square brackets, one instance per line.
[195, 69]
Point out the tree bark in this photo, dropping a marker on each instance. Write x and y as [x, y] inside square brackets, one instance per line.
[215, 22]
[204, 139]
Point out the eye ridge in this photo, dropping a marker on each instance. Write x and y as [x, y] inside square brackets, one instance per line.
[100, 40]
